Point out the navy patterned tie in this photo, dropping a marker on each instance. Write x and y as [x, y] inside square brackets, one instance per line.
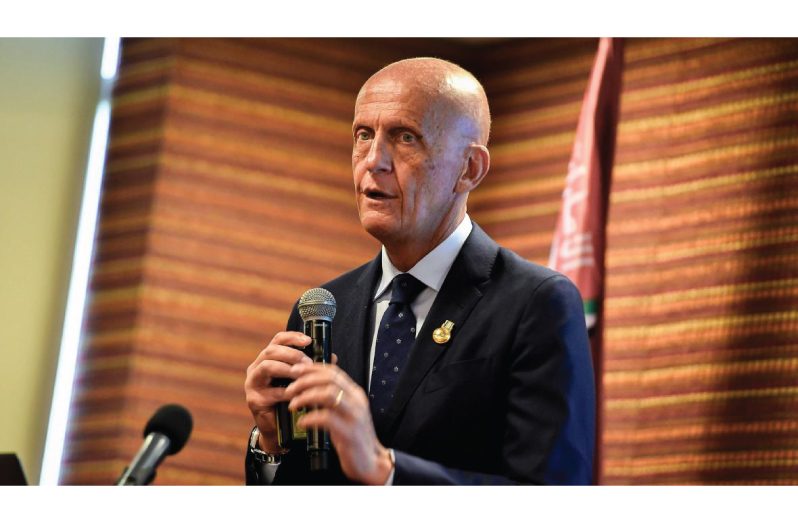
[396, 334]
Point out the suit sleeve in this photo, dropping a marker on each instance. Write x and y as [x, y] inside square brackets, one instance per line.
[549, 430]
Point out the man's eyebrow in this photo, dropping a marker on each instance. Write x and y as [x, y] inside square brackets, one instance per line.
[356, 124]
[403, 128]
[399, 125]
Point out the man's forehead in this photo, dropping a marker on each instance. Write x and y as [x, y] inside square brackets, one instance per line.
[393, 87]
[394, 96]
[385, 82]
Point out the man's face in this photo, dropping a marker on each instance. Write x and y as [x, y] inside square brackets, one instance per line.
[407, 155]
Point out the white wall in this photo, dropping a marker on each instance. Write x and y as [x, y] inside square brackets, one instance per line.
[48, 95]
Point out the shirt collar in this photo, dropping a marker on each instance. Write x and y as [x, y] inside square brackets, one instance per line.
[432, 269]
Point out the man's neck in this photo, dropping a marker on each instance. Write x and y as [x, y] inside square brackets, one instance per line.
[406, 258]
[405, 255]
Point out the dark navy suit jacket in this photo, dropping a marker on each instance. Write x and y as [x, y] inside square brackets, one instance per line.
[510, 398]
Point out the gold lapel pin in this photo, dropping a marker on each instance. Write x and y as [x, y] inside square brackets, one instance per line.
[443, 333]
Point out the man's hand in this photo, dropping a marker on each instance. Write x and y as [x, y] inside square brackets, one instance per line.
[342, 409]
[275, 361]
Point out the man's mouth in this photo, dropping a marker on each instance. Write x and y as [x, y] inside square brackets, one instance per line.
[377, 195]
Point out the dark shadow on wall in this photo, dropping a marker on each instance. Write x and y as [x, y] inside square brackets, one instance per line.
[755, 428]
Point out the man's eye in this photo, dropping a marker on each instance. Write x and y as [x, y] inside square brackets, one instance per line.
[407, 138]
[362, 136]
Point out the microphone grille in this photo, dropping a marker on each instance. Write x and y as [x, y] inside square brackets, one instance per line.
[317, 304]
[174, 422]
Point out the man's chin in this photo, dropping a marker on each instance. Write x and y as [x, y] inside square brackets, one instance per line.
[382, 228]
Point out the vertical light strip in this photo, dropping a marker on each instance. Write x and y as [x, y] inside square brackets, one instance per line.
[81, 266]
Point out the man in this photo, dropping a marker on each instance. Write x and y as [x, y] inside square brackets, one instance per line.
[457, 361]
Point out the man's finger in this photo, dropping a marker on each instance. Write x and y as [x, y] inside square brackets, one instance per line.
[291, 338]
[265, 398]
[329, 396]
[306, 376]
[288, 355]
[283, 348]
[262, 374]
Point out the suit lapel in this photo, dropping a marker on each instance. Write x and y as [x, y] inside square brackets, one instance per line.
[351, 331]
[460, 292]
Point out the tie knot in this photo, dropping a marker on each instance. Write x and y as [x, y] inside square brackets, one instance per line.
[405, 289]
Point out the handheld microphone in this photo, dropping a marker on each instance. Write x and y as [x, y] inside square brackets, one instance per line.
[317, 309]
[165, 434]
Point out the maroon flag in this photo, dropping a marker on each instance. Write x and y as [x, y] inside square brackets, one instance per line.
[578, 246]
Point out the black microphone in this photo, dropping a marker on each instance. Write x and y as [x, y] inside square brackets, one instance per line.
[165, 434]
[317, 309]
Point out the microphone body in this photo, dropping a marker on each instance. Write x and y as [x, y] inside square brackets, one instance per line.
[284, 418]
[320, 331]
[166, 433]
[141, 470]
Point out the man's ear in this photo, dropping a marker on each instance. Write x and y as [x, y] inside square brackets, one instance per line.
[477, 165]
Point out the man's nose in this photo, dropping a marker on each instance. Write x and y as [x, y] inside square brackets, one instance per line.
[379, 159]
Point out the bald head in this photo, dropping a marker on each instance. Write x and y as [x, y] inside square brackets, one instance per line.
[450, 87]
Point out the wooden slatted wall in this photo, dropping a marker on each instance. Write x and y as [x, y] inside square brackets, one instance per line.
[228, 194]
[701, 347]
[702, 317]
[225, 153]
